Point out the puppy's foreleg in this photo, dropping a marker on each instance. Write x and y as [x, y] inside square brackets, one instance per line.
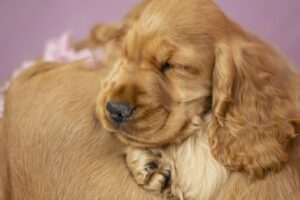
[150, 170]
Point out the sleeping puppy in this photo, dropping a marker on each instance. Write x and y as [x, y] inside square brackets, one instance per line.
[210, 111]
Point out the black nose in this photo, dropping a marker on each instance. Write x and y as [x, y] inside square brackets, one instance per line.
[119, 111]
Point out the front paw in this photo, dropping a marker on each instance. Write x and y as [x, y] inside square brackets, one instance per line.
[148, 169]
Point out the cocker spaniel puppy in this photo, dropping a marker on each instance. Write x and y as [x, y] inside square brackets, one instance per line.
[209, 110]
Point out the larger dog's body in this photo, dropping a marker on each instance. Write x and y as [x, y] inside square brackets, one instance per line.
[54, 147]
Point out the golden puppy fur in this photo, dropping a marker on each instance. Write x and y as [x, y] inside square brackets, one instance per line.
[55, 148]
[212, 104]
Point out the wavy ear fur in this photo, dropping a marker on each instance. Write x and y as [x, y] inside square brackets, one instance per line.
[252, 115]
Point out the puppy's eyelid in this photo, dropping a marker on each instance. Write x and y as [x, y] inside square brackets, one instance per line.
[165, 66]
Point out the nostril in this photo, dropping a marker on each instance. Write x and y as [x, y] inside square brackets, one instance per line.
[119, 111]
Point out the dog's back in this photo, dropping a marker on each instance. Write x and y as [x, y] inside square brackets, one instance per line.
[56, 149]
[3, 166]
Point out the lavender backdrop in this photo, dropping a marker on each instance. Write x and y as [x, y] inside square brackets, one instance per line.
[26, 25]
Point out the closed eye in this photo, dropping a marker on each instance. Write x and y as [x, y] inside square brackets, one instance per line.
[165, 66]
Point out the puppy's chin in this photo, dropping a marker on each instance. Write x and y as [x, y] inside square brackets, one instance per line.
[160, 137]
[128, 134]
[169, 128]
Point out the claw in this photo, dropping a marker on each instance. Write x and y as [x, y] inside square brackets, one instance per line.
[167, 176]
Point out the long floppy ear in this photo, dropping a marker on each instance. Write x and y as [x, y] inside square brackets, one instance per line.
[252, 115]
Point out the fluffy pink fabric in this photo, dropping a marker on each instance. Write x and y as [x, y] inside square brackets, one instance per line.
[59, 50]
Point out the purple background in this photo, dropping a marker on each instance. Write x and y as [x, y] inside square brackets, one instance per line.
[25, 25]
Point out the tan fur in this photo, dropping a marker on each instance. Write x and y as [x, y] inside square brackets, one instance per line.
[190, 72]
[55, 147]
[3, 167]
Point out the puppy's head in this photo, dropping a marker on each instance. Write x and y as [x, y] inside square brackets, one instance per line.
[161, 87]
[184, 65]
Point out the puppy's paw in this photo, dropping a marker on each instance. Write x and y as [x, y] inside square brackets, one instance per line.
[148, 169]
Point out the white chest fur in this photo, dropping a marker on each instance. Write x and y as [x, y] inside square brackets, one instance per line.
[198, 176]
